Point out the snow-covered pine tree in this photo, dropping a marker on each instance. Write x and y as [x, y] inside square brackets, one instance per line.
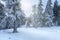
[34, 16]
[34, 19]
[55, 12]
[40, 13]
[48, 15]
[37, 21]
[13, 8]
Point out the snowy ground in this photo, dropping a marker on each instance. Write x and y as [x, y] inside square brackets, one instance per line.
[31, 34]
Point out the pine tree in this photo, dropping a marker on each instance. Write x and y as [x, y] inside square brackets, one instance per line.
[40, 13]
[55, 12]
[20, 17]
[48, 15]
[34, 19]
[13, 8]
[37, 16]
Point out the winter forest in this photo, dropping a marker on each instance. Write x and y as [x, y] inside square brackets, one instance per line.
[41, 24]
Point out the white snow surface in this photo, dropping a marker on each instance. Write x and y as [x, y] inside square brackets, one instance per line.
[50, 33]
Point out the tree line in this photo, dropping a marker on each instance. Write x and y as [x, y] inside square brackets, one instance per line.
[12, 16]
[47, 18]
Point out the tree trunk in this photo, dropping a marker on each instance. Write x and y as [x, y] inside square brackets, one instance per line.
[15, 30]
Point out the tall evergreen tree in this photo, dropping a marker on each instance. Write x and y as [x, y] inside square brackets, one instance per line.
[38, 15]
[13, 8]
[55, 12]
[34, 20]
[48, 15]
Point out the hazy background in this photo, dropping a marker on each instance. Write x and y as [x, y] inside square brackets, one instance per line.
[27, 5]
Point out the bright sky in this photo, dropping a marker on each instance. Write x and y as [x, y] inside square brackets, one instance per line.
[27, 5]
